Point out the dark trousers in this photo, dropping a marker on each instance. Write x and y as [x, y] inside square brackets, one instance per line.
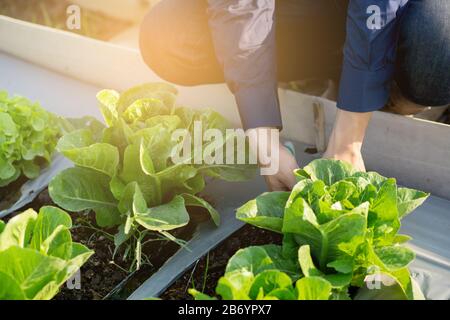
[176, 43]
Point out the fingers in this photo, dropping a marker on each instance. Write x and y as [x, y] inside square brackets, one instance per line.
[291, 182]
[274, 184]
[283, 181]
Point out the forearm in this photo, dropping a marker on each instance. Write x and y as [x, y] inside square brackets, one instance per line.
[347, 137]
[350, 130]
[243, 33]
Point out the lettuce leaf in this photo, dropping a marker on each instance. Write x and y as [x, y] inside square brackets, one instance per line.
[28, 138]
[37, 254]
[263, 273]
[124, 171]
[341, 225]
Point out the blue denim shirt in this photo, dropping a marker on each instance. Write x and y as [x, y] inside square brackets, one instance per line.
[244, 38]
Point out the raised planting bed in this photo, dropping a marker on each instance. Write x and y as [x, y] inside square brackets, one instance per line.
[427, 224]
[309, 118]
[430, 269]
[145, 206]
[206, 272]
[20, 193]
[105, 277]
[104, 274]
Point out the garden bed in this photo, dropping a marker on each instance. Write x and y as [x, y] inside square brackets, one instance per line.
[207, 271]
[393, 150]
[429, 270]
[104, 277]
[10, 194]
[98, 276]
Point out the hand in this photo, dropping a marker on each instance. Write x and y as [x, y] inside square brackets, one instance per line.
[350, 155]
[284, 179]
[276, 162]
[347, 138]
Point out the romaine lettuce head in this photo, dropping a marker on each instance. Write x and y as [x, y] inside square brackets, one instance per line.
[264, 273]
[124, 171]
[344, 223]
[37, 254]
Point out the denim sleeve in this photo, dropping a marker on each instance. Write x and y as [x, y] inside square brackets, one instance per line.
[244, 39]
[369, 54]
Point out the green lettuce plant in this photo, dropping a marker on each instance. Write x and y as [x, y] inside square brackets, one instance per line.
[124, 171]
[264, 273]
[338, 225]
[37, 254]
[28, 136]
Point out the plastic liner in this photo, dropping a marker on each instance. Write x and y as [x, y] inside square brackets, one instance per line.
[429, 225]
[207, 238]
[32, 188]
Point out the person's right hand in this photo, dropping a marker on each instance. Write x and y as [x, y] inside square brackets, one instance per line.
[272, 154]
[347, 138]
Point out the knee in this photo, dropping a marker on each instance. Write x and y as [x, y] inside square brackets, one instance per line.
[161, 43]
[154, 44]
[427, 23]
[176, 44]
[424, 53]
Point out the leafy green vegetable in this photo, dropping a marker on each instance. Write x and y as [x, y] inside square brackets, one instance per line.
[267, 210]
[264, 273]
[37, 254]
[340, 225]
[125, 171]
[28, 136]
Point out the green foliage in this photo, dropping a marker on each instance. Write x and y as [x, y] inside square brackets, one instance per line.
[265, 273]
[124, 171]
[28, 136]
[340, 225]
[37, 254]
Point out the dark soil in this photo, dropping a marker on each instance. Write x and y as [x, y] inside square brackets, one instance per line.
[11, 193]
[446, 117]
[208, 270]
[52, 13]
[98, 275]
[101, 277]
